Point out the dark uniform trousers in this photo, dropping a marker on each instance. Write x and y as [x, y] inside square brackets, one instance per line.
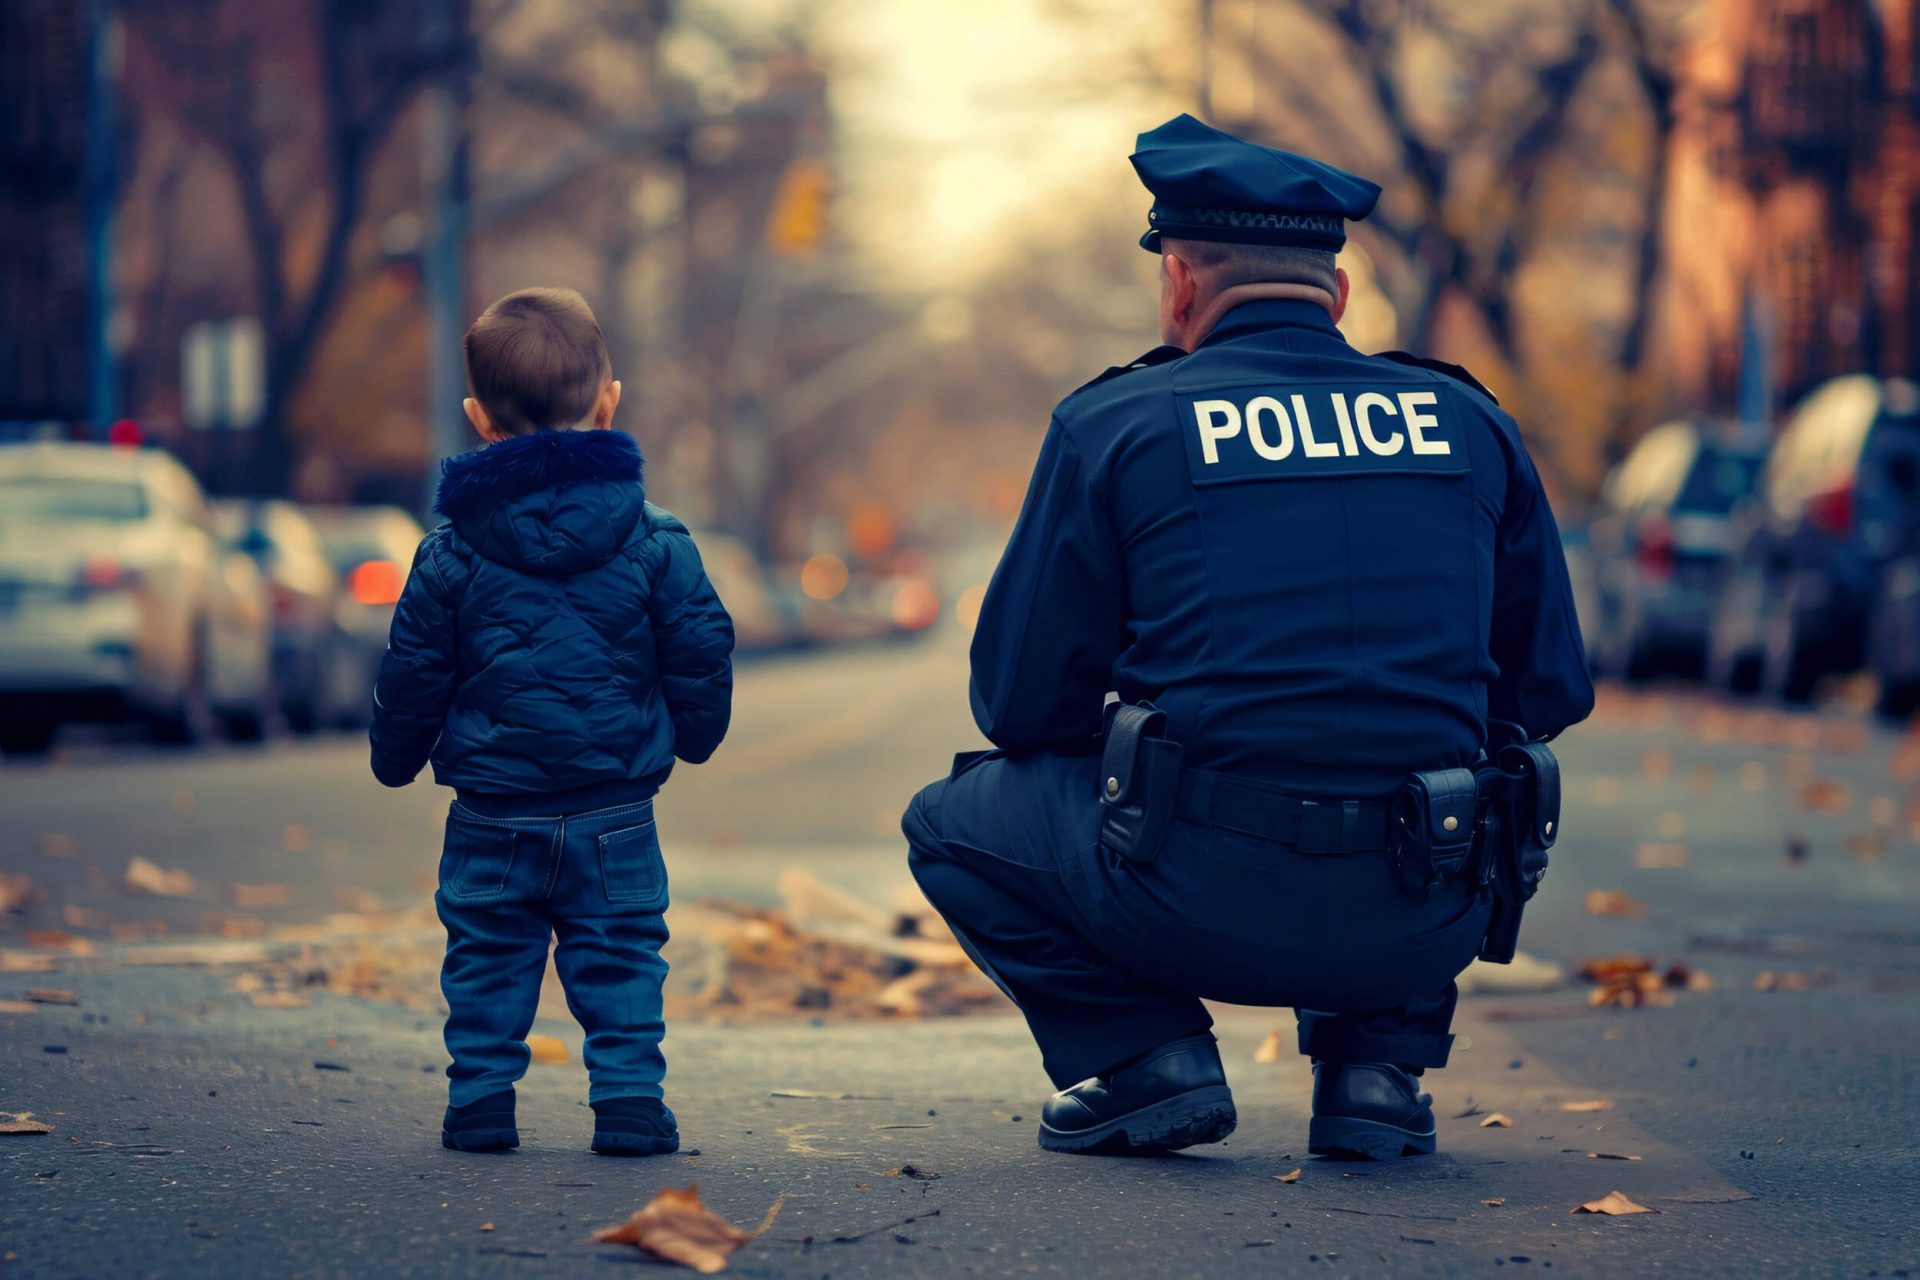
[1109, 958]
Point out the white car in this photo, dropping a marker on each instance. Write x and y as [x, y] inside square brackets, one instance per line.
[117, 600]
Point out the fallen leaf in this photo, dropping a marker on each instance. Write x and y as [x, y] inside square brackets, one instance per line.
[1591, 1104]
[51, 995]
[145, 877]
[547, 1050]
[16, 891]
[22, 1123]
[17, 1006]
[1786, 980]
[1613, 1204]
[1660, 856]
[26, 962]
[677, 1227]
[485, 1226]
[1269, 1050]
[1870, 847]
[1612, 902]
[1498, 1120]
[1824, 795]
[255, 897]
[60, 940]
[1287, 1177]
[1608, 1155]
[1494, 1203]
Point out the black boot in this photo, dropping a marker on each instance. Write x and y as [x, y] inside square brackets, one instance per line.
[1368, 1111]
[486, 1125]
[634, 1127]
[1175, 1096]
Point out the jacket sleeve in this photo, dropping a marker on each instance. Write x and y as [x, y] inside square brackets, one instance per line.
[1052, 623]
[1542, 685]
[693, 637]
[418, 673]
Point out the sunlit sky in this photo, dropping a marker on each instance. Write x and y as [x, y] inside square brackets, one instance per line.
[961, 121]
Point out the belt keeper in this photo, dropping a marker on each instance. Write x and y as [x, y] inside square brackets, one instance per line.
[1349, 824]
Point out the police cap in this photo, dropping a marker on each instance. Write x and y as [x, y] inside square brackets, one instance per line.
[1209, 185]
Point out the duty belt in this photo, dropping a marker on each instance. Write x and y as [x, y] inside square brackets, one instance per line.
[1310, 826]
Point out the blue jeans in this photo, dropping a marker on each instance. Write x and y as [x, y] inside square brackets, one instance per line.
[508, 888]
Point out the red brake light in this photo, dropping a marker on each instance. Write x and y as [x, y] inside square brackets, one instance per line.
[377, 582]
[101, 570]
[125, 434]
[1655, 549]
[1832, 511]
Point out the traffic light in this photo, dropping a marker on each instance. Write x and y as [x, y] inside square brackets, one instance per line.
[797, 223]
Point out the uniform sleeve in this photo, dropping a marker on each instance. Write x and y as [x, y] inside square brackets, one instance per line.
[1053, 620]
[693, 636]
[417, 674]
[1543, 685]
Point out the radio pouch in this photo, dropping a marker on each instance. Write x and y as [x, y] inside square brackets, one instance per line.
[1139, 781]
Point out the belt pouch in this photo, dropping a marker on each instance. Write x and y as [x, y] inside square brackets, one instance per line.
[1139, 781]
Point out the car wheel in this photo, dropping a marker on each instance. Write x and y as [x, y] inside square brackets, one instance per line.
[189, 721]
[1791, 660]
[26, 734]
[1734, 662]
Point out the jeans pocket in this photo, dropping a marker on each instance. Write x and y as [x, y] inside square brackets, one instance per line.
[634, 873]
[477, 859]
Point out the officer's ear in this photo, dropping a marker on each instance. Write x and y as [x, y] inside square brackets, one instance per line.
[1179, 290]
[1341, 286]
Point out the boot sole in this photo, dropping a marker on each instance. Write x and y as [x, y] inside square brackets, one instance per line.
[634, 1144]
[480, 1139]
[1346, 1138]
[1187, 1120]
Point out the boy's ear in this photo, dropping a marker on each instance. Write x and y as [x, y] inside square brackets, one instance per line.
[482, 421]
[606, 405]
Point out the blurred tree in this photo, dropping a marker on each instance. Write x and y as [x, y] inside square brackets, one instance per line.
[297, 100]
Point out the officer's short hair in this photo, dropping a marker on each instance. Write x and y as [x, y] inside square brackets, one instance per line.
[536, 360]
[1225, 264]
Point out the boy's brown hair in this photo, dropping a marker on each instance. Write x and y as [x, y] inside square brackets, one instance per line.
[536, 360]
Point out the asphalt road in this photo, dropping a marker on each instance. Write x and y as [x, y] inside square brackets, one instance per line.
[1777, 1127]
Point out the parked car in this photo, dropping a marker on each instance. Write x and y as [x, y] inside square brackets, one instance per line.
[304, 590]
[371, 548]
[117, 600]
[762, 620]
[1836, 523]
[1658, 546]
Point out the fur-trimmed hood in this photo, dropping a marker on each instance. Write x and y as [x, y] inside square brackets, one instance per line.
[552, 502]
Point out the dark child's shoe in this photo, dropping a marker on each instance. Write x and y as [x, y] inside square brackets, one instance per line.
[1172, 1097]
[486, 1125]
[1369, 1111]
[634, 1127]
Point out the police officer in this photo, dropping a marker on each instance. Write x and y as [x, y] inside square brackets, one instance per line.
[1309, 572]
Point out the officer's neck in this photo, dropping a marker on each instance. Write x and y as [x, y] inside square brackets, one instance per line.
[1207, 317]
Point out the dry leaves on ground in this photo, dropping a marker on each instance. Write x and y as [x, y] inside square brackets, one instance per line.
[51, 995]
[913, 1171]
[1495, 1202]
[1498, 1120]
[1614, 1204]
[677, 1227]
[1270, 1049]
[1293, 1176]
[1590, 1104]
[1791, 980]
[22, 1123]
[1612, 902]
[146, 877]
[26, 962]
[60, 940]
[1629, 981]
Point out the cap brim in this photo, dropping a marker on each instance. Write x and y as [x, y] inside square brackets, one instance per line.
[1151, 240]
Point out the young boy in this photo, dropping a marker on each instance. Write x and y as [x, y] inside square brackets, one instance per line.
[557, 645]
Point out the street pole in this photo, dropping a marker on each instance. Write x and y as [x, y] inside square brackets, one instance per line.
[101, 192]
[443, 257]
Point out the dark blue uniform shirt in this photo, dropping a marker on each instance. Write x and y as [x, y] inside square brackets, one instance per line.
[1328, 568]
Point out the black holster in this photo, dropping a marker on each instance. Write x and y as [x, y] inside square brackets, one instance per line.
[1436, 828]
[1520, 798]
[1139, 781]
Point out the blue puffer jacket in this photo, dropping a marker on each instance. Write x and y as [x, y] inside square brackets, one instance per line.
[557, 636]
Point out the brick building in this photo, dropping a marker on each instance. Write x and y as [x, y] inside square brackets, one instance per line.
[1796, 192]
